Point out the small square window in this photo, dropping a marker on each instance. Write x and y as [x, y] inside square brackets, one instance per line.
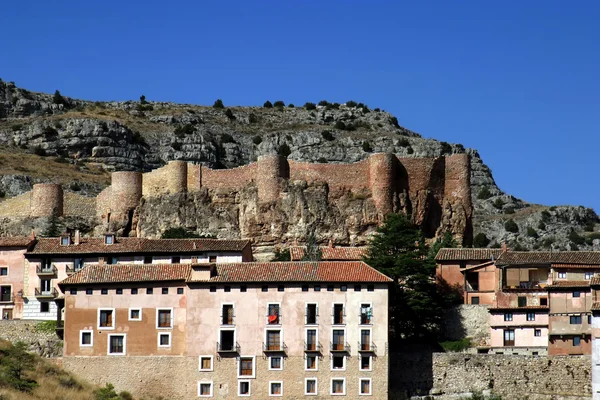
[73, 291]
[537, 332]
[530, 316]
[317, 288]
[311, 363]
[264, 289]
[243, 288]
[305, 288]
[205, 389]
[3, 271]
[562, 275]
[85, 338]
[357, 288]
[227, 288]
[276, 388]
[164, 318]
[44, 306]
[212, 259]
[475, 300]
[343, 288]
[64, 241]
[246, 367]
[588, 275]
[165, 290]
[370, 288]
[244, 388]
[134, 291]
[365, 363]
[365, 386]
[576, 341]
[330, 288]
[119, 291]
[310, 386]
[543, 301]
[275, 363]
[103, 291]
[338, 387]
[213, 289]
[135, 314]
[280, 288]
[179, 290]
[89, 291]
[109, 239]
[175, 260]
[338, 362]
[575, 319]
[508, 317]
[149, 290]
[164, 339]
[206, 363]
[577, 294]
[117, 344]
[106, 318]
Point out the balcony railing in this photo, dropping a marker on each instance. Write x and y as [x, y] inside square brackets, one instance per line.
[71, 269]
[228, 347]
[313, 347]
[46, 269]
[274, 347]
[46, 293]
[367, 347]
[339, 347]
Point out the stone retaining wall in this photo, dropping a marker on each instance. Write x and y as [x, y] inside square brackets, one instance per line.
[46, 344]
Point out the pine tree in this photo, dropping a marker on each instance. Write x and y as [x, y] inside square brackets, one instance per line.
[313, 251]
[52, 225]
[57, 98]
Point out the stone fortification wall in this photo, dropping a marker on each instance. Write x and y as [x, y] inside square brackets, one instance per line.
[194, 177]
[126, 191]
[172, 178]
[44, 343]
[339, 177]
[234, 178]
[46, 197]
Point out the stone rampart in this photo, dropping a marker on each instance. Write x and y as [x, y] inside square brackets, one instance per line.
[234, 178]
[126, 191]
[45, 198]
[339, 177]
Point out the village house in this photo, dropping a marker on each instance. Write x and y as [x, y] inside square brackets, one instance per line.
[288, 329]
[12, 255]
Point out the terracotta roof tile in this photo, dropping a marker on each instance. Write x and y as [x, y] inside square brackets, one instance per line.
[595, 281]
[465, 254]
[120, 273]
[575, 266]
[568, 284]
[137, 245]
[549, 257]
[595, 306]
[295, 271]
[16, 241]
[331, 253]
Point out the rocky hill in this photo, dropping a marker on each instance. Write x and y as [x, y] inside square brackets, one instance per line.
[75, 142]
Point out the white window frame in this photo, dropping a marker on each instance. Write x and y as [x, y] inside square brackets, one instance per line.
[239, 360]
[114, 319]
[278, 304]
[275, 369]
[343, 314]
[363, 328]
[275, 395]
[228, 329]
[81, 332]
[370, 386]
[129, 314]
[233, 319]
[200, 363]
[124, 344]
[274, 328]
[316, 393]
[249, 382]
[331, 386]
[162, 346]
[205, 383]
[316, 368]
[312, 328]
[339, 328]
[316, 316]
[359, 313]
[370, 357]
[172, 317]
[345, 362]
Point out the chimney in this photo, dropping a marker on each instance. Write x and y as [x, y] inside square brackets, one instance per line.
[32, 234]
[504, 247]
[295, 242]
[330, 244]
[100, 260]
[76, 237]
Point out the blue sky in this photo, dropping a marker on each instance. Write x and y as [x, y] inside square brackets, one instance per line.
[516, 80]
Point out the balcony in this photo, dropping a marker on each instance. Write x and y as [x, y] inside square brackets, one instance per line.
[228, 347]
[274, 347]
[313, 347]
[48, 294]
[367, 347]
[46, 270]
[71, 269]
[339, 347]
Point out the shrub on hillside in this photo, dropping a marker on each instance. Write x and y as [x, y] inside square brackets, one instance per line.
[323, 103]
[218, 104]
[39, 151]
[576, 238]
[366, 146]
[143, 99]
[509, 210]
[498, 203]
[532, 232]
[279, 104]
[484, 193]
[268, 104]
[403, 142]
[480, 240]
[186, 129]
[227, 138]
[351, 103]
[511, 226]
[327, 135]
[291, 105]
[456, 345]
[229, 114]
[394, 121]
[446, 148]
[49, 131]
[58, 99]
[340, 125]
[310, 106]
[546, 216]
[542, 226]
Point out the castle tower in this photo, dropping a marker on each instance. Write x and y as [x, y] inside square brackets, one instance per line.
[457, 185]
[381, 180]
[45, 198]
[177, 176]
[126, 191]
[194, 177]
[269, 173]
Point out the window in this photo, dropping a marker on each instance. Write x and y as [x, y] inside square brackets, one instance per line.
[576, 294]
[588, 275]
[311, 340]
[365, 363]
[280, 288]
[78, 264]
[311, 314]
[475, 300]
[175, 260]
[164, 339]
[273, 340]
[243, 288]
[338, 386]
[227, 289]
[273, 314]
[213, 289]
[317, 288]
[117, 344]
[330, 288]
[134, 291]
[343, 288]
[73, 291]
[366, 314]
[264, 289]
[530, 316]
[365, 386]
[205, 389]
[365, 339]
[310, 386]
[508, 317]
[109, 239]
[276, 363]
[562, 275]
[275, 388]
[86, 338]
[311, 363]
[206, 363]
[164, 318]
[119, 291]
[106, 318]
[44, 306]
[243, 388]
[338, 362]
[135, 314]
[212, 259]
[543, 301]
[179, 290]
[227, 314]
[338, 314]
[246, 367]
[338, 343]
[165, 290]
[227, 342]
[576, 341]
[104, 291]
[64, 241]
[357, 288]
[305, 288]
[370, 288]
[89, 291]
[537, 332]
[149, 290]
[522, 301]
[3, 271]
[575, 319]
[147, 260]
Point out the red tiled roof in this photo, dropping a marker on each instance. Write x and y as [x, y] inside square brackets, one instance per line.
[297, 271]
[137, 245]
[595, 281]
[526, 308]
[575, 266]
[549, 257]
[568, 284]
[120, 273]
[331, 253]
[465, 254]
[595, 306]
[16, 241]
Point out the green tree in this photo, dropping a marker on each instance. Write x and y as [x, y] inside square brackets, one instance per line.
[480, 240]
[15, 363]
[218, 104]
[58, 99]
[313, 251]
[511, 226]
[445, 242]
[399, 251]
[143, 99]
[52, 225]
[282, 255]
[268, 104]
